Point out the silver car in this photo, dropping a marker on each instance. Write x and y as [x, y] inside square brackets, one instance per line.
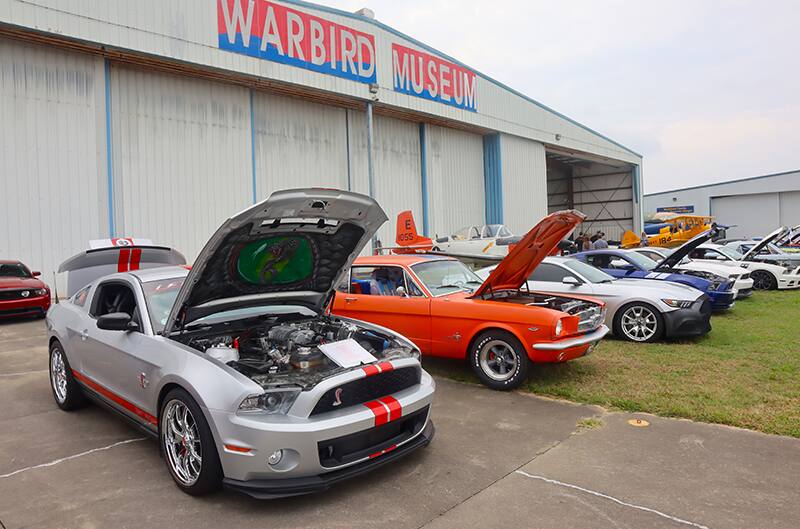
[639, 310]
[237, 366]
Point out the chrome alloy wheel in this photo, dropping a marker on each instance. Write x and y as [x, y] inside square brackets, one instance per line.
[58, 375]
[182, 442]
[639, 323]
[498, 360]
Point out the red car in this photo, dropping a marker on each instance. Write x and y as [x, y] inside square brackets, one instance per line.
[498, 326]
[21, 293]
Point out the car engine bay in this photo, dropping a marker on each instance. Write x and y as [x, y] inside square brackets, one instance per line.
[284, 350]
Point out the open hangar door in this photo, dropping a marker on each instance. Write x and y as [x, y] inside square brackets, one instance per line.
[602, 190]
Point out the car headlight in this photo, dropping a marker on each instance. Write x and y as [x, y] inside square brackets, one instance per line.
[678, 303]
[272, 401]
[559, 327]
[40, 291]
[733, 277]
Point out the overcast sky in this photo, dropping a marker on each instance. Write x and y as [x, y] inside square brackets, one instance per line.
[706, 91]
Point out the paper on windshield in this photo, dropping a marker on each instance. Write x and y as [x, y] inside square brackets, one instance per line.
[347, 353]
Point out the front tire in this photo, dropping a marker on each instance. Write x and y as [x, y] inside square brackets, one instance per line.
[763, 280]
[188, 446]
[638, 322]
[499, 360]
[66, 391]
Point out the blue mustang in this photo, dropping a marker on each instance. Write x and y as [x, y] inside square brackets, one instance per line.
[629, 264]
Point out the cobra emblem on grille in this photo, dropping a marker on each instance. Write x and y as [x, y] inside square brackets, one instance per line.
[337, 397]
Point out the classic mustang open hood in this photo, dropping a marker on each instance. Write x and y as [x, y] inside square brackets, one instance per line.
[515, 268]
[683, 250]
[779, 233]
[291, 248]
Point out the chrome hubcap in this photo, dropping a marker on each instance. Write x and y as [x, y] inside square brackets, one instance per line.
[182, 442]
[639, 323]
[498, 360]
[58, 375]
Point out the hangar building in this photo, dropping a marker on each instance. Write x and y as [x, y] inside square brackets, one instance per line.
[752, 206]
[160, 119]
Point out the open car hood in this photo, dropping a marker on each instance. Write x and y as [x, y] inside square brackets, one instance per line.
[290, 249]
[672, 260]
[515, 268]
[777, 234]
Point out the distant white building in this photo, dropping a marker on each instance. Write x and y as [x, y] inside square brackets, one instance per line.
[753, 206]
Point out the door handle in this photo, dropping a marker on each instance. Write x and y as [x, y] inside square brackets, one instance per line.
[84, 334]
[350, 300]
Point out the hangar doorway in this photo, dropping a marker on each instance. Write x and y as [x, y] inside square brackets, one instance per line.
[603, 189]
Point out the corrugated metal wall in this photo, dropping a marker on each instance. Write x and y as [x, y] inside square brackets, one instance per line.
[52, 165]
[455, 179]
[396, 159]
[181, 150]
[606, 199]
[298, 144]
[524, 183]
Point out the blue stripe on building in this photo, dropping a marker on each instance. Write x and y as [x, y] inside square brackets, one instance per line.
[493, 179]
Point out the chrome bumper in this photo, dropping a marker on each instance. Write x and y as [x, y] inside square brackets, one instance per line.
[569, 343]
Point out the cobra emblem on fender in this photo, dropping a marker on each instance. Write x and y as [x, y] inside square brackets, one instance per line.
[337, 397]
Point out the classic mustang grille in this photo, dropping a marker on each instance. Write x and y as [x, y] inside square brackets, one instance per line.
[369, 388]
[590, 318]
[15, 294]
[369, 442]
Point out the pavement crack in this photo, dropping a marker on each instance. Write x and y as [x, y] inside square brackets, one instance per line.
[610, 498]
[513, 471]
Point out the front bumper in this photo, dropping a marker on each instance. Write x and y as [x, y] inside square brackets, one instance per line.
[321, 444]
[277, 488]
[688, 322]
[568, 348]
[744, 288]
[25, 307]
[722, 300]
[789, 279]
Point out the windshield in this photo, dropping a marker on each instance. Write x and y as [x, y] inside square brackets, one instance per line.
[497, 230]
[730, 253]
[446, 276]
[592, 274]
[160, 296]
[641, 261]
[14, 270]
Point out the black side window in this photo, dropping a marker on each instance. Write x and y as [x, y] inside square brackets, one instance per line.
[549, 272]
[599, 261]
[114, 297]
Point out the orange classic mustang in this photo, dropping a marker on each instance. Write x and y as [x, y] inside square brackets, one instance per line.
[443, 307]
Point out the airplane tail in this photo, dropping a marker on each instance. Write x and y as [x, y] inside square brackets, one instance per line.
[630, 240]
[407, 236]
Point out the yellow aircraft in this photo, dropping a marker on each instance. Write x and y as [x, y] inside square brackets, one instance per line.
[673, 232]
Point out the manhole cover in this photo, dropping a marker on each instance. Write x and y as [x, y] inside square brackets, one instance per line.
[639, 423]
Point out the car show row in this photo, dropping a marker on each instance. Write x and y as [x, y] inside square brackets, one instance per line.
[284, 359]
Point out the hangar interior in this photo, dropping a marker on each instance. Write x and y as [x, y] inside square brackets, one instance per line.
[602, 189]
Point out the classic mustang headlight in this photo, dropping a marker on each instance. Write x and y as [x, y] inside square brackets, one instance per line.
[559, 327]
[678, 303]
[272, 401]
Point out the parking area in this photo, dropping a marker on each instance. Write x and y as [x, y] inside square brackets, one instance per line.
[498, 460]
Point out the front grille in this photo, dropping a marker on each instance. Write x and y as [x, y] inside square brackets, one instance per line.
[6, 295]
[370, 442]
[590, 318]
[367, 389]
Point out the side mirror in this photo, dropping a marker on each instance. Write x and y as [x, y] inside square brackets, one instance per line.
[36, 273]
[400, 291]
[571, 280]
[117, 321]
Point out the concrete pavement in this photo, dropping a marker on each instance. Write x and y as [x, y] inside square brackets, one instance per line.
[498, 460]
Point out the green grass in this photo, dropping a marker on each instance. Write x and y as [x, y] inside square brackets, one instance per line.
[745, 373]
